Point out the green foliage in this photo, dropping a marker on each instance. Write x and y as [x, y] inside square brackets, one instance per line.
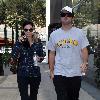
[2, 12]
[39, 13]
[97, 77]
[5, 57]
[91, 40]
[23, 9]
[86, 13]
[97, 63]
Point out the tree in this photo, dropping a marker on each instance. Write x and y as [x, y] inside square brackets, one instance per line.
[2, 11]
[24, 9]
[86, 13]
[14, 12]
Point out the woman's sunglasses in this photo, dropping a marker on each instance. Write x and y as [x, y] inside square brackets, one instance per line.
[30, 30]
[62, 14]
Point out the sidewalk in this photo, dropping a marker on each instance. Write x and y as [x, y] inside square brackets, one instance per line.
[9, 90]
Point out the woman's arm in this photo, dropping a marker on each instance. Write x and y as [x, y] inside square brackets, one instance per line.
[39, 51]
[15, 53]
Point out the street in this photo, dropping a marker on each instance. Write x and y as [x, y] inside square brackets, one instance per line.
[9, 90]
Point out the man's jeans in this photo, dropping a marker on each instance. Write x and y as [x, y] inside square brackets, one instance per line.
[34, 83]
[67, 88]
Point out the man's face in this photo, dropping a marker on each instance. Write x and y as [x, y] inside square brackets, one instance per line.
[66, 17]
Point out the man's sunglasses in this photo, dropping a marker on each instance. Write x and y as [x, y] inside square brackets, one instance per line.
[30, 30]
[62, 14]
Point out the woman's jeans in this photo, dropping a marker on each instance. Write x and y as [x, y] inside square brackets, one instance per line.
[67, 88]
[23, 83]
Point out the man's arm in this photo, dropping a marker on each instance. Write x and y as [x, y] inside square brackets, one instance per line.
[84, 65]
[85, 55]
[51, 63]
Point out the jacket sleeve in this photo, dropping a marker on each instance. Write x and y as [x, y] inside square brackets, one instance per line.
[39, 50]
[16, 51]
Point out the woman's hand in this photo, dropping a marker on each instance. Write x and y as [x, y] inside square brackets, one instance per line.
[22, 38]
[40, 59]
[11, 61]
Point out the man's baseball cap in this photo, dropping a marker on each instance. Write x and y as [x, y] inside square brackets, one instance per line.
[69, 10]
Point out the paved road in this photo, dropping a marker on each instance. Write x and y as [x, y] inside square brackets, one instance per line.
[9, 90]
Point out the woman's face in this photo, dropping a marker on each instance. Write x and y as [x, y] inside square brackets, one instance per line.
[28, 29]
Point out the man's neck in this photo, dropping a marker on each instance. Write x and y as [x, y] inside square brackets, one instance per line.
[66, 27]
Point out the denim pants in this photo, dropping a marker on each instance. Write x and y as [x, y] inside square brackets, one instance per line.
[67, 88]
[23, 83]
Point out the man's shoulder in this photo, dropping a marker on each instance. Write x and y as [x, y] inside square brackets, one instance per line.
[77, 29]
[56, 31]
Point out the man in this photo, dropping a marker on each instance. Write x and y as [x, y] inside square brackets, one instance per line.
[68, 57]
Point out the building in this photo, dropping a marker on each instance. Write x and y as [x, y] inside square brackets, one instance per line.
[55, 7]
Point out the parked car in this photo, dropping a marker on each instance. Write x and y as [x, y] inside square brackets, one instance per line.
[44, 50]
[3, 50]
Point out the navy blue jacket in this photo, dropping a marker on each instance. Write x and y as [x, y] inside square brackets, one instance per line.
[24, 54]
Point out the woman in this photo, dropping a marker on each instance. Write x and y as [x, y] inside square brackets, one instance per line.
[23, 54]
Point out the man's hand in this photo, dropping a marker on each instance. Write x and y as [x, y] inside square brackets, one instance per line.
[84, 67]
[51, 75]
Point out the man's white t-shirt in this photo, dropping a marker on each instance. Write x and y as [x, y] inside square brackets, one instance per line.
[68, 46]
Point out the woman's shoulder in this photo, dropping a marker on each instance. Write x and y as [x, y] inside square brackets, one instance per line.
[17, 43]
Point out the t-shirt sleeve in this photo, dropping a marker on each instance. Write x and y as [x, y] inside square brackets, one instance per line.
[51, 43]
[84, 40]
